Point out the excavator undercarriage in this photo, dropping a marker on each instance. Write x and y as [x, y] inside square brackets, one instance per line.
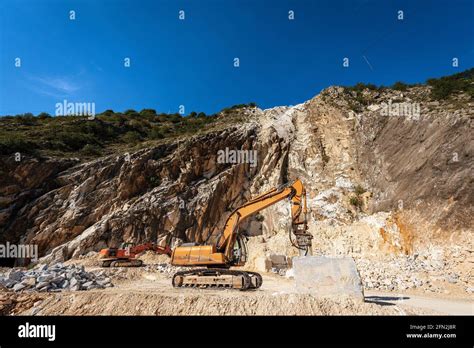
[217, 278]
[121, 263]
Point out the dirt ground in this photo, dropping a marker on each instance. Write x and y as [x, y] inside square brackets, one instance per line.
[144, 291]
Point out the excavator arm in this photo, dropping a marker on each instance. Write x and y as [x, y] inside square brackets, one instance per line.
[135, 250]
[297, 195]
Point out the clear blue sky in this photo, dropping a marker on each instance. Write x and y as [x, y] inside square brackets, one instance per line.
[190, 62]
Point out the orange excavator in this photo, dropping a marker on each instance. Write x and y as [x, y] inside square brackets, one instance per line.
[230, 249]
[125, 255]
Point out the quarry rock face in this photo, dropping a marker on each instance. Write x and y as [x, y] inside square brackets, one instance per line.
[377, 184]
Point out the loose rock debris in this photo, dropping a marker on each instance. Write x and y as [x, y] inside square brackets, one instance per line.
[55, 278]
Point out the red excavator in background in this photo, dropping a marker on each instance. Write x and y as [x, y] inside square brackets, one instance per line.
[125, 255]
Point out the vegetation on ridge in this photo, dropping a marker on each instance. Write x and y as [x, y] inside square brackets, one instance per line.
[108, 132]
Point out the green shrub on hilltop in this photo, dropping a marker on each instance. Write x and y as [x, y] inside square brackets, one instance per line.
[360, 86]
[444, 87]
[148, 114]
[44, 115]
[239, 106]
[91, 150]
[156, 133]
[10, 144]
[131, 137]
[176, 118]
[27, 119]
[74, 140]
[145, 112]
[400, 86]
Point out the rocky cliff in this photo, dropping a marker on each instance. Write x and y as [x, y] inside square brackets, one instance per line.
[381, 180]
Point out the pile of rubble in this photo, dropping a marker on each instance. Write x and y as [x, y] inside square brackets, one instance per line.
[58, 277]
[410, 272]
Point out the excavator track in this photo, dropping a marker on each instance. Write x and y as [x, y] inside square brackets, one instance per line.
[212, 278]
[122, 263]
[258, 279]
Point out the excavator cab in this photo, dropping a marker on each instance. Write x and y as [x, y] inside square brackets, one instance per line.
[126, 245]
[240, 251]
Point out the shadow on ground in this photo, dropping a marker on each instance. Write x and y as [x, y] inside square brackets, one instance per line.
[385, 300]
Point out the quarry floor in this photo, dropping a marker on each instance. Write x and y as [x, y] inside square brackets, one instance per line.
[139, 291]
